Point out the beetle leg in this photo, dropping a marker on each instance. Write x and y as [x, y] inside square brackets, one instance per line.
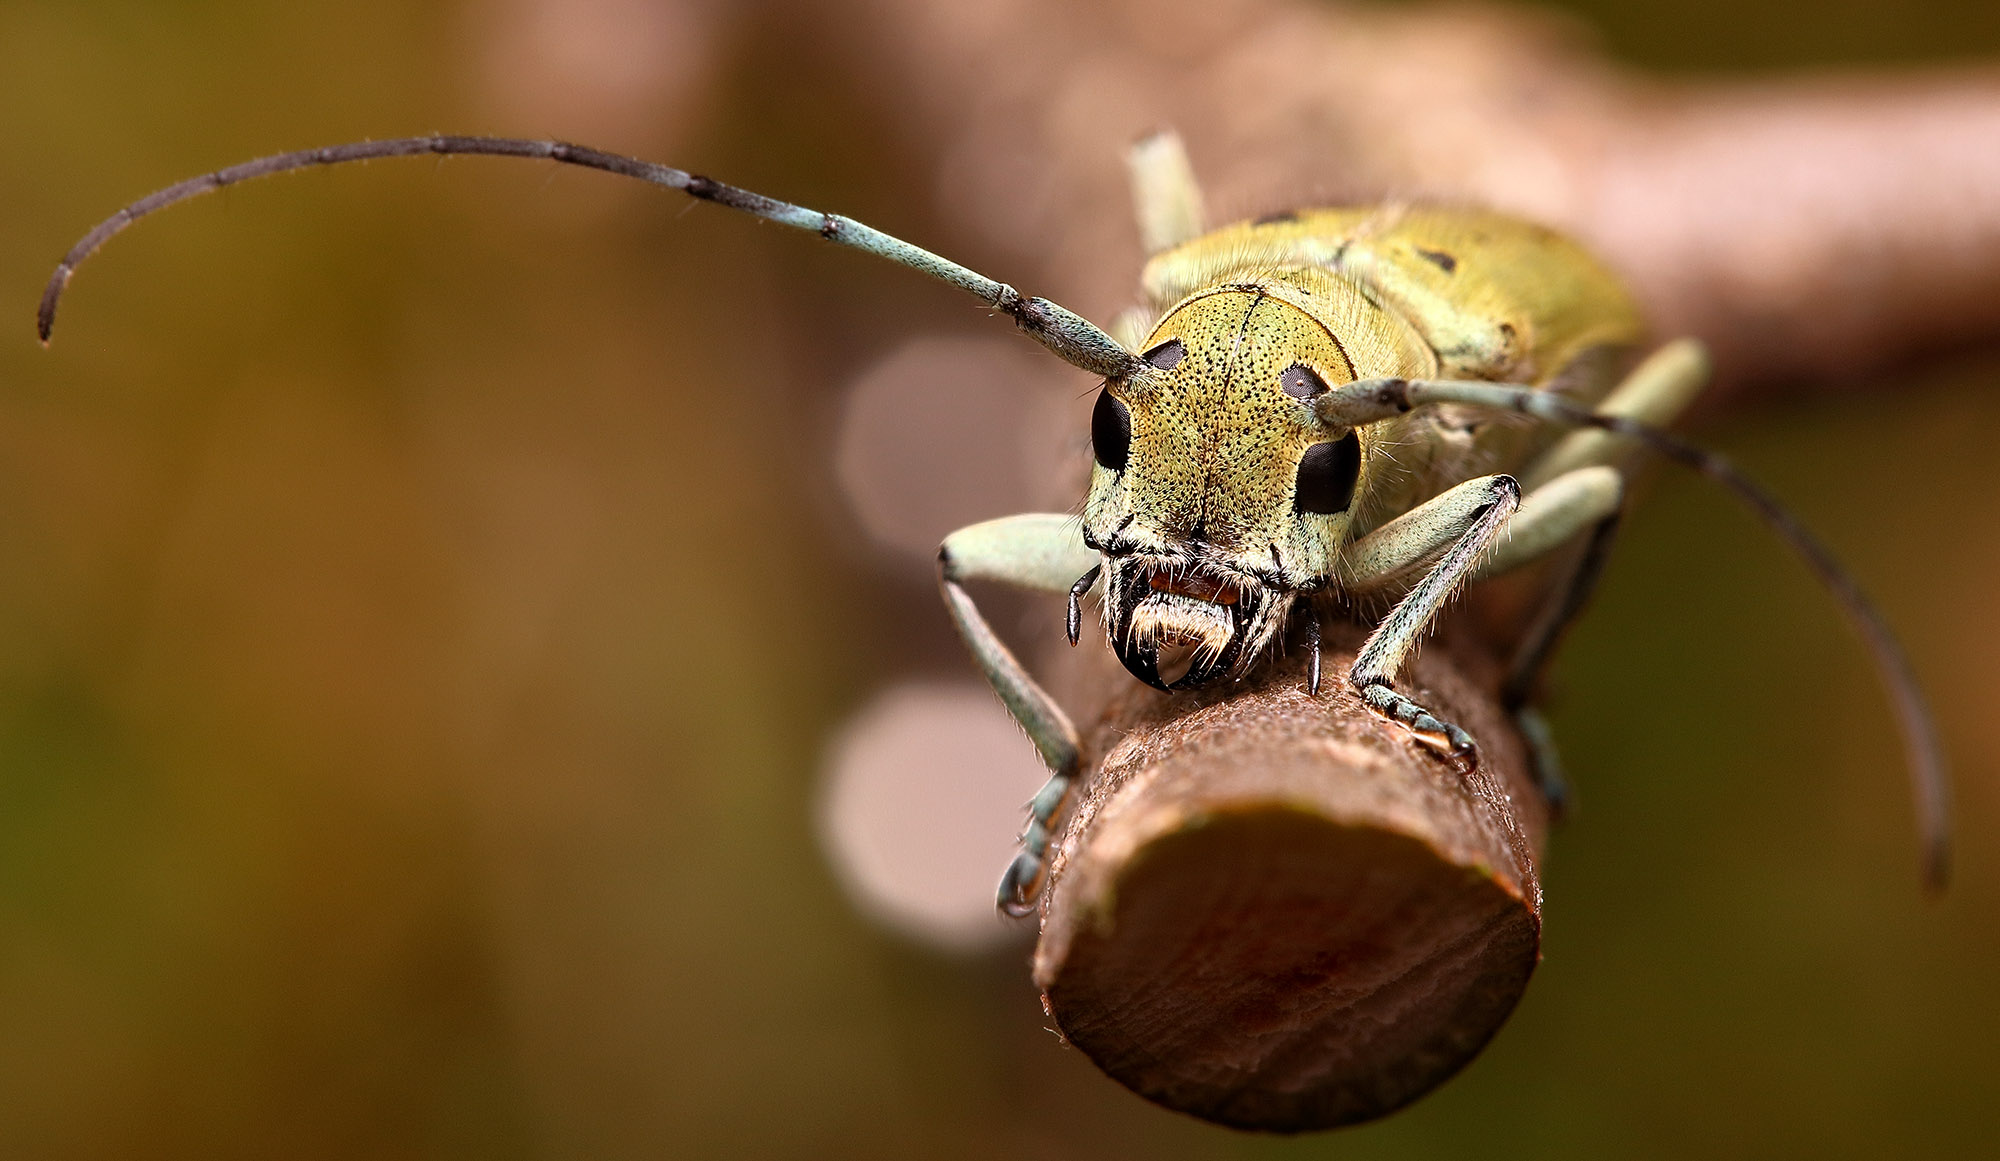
[1132, 326]
[1655, 392]
[1548, 518]
[1552, 515]
[1573, 485]
[1395, 557]
[1450, 532]
[1545, 760]
[1045, 553]
[1532, 658]
[1312, 647]
[1164, 193]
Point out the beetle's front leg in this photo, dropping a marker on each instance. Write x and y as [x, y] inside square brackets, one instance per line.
[1449, 533]
[1046, 553]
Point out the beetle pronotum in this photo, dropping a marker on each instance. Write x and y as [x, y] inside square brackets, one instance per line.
[1299, 424]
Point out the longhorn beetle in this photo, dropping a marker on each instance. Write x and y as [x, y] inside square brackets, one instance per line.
[1303, 420]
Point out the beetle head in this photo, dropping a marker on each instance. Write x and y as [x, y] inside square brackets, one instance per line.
[1216, 497]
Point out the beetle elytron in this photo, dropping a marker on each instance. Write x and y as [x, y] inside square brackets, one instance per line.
[1306, 419]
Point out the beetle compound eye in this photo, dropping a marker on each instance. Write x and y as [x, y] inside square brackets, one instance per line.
[1110, 431]
[1326, 476]
[1302, 382]
[1166, 355]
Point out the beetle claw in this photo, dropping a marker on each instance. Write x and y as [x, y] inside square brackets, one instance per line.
[1448, 741]
[1017, 886]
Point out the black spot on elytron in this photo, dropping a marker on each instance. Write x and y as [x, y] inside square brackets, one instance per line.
[1166, 355]
[1278, 217]
[1326, 476]
[1302, 382]
[1440, 259]
[1110, 432]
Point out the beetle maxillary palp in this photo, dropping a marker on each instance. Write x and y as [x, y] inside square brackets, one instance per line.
[1312, 656]
[1073, 622]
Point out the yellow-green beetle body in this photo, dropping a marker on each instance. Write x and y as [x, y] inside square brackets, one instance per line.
[1215, 450]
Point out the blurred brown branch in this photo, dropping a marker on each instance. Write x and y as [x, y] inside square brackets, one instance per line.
[1818, 228]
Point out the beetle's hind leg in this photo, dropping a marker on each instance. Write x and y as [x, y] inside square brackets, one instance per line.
[1579, 483]
[1552, 517]
[1655, 392]
[1531, 660]
[1041, 552]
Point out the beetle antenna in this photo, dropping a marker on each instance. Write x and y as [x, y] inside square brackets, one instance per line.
[1073, 338]
[1930, 784]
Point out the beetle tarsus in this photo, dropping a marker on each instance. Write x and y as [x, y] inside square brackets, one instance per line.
[1447, 740]
[1017, 886]
[1073, 623]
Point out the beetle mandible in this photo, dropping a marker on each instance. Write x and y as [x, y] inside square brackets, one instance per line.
[1308, 417]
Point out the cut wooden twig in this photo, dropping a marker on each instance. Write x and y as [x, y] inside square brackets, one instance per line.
[1278, 912]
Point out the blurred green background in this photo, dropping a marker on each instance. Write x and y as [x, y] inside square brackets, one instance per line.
[422, 610]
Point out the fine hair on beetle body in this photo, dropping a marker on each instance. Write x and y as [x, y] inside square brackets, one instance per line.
[1347, 412]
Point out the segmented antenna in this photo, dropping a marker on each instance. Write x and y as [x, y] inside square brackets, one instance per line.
[1073, 338]
[1930, 784]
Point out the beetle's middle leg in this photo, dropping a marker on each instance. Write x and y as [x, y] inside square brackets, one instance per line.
[1043, 552]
